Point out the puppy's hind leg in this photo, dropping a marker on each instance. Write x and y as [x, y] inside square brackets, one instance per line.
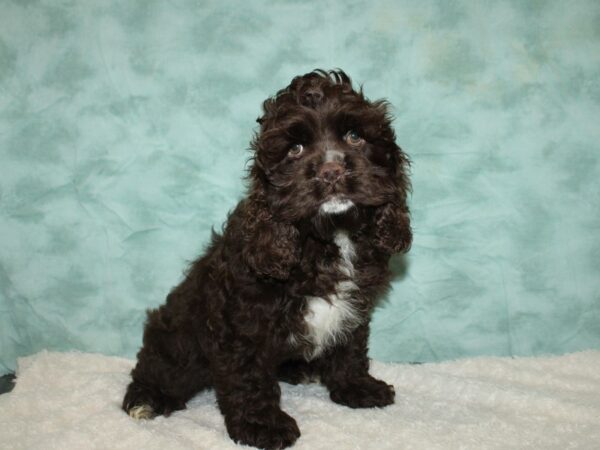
[141, 402]
[163, 390]
[170, 370]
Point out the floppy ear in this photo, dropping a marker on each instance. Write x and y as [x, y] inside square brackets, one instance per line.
[392, 228]
[393, 233]
[271, 247]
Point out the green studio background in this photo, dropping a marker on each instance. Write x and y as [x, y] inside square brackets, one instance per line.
[124, 129]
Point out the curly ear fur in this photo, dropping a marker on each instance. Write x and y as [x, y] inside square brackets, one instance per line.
[271, 247]
[393, 233]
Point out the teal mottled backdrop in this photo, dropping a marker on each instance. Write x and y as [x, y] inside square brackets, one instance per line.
[124, 128]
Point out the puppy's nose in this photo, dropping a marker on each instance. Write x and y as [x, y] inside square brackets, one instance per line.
[331, 171]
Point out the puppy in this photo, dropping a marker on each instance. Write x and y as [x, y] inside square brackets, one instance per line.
[286, 291]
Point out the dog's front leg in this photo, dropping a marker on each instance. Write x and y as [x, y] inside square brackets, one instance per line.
[345, 372]
[248, 395]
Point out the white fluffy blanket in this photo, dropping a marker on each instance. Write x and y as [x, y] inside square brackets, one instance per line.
[72, 401]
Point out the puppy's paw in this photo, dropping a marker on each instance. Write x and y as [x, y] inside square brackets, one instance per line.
[270, 429]
[141, 402]
[141, 412]
[365, 393]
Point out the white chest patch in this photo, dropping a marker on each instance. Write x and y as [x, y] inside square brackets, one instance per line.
[329, 319]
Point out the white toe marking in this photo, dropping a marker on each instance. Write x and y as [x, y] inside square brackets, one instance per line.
[141, 412]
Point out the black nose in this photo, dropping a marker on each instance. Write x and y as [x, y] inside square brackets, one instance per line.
[331, 171]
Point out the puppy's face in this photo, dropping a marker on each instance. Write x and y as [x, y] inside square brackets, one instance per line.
[324, 149]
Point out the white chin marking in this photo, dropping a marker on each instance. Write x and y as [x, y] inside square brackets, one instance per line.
[335, 206]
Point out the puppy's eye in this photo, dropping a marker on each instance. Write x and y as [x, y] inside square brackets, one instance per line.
[296, 150]
[353, 138]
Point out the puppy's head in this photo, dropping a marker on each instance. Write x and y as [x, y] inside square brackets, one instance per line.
[323, 148]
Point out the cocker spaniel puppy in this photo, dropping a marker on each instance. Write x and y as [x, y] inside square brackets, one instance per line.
[286, 291]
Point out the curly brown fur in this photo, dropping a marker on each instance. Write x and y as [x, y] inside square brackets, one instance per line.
[286, 292]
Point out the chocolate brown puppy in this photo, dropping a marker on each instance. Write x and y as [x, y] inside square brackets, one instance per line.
[286, 291]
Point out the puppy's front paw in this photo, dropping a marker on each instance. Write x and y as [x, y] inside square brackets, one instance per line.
[269, 429]
[365, 393]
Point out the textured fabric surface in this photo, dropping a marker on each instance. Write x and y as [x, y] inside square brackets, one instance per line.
[72, 401]
[124, 129]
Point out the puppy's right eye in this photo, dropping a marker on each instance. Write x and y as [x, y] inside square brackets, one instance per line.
[353, 138]
[296, 150]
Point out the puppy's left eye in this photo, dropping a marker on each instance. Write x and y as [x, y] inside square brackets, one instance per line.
[296, 150]
[353, 138]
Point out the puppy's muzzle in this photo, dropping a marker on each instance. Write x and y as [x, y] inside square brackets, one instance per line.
[330, 172]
